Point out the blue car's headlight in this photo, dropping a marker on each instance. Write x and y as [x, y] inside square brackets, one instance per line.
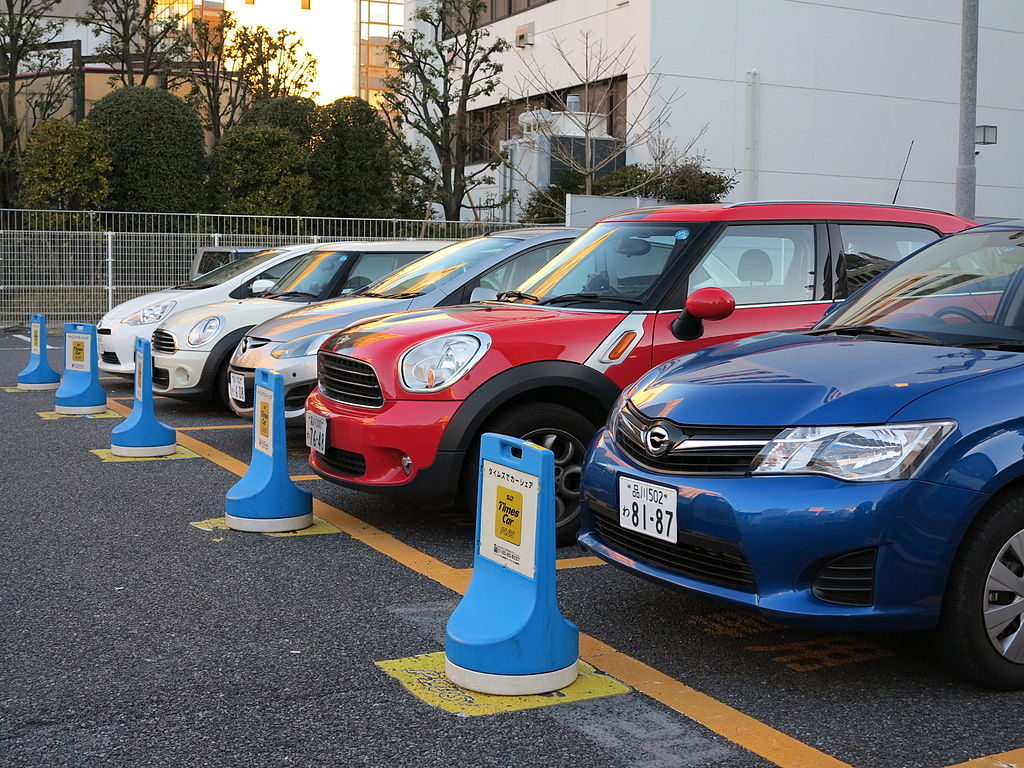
[863, 454]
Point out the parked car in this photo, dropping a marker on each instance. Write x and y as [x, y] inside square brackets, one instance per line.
[402, 400]
[192, 349]
[866, 474]
[140, 316]
[289, 342]
[209, 259]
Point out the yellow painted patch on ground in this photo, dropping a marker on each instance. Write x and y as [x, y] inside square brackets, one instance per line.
[106, 455]
[51, 415]
[424, 677]
[824, 653]
[318, 527]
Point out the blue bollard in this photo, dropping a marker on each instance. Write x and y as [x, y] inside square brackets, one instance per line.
[141, 434]
[80, 391]
[507, 635]
[38, 374]
[266, 500]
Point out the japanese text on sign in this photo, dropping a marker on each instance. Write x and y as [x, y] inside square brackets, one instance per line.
[76, 357]
[264, 427]
[508, 517]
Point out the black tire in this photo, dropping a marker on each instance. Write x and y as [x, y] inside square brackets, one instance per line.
[994, 542]
[567, 433]
[220, 395]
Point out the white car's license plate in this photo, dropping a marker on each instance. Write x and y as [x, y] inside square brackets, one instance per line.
[316, 432]
[648, 508]
[236, 387]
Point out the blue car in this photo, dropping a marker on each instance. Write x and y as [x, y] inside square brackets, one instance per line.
[865, 474]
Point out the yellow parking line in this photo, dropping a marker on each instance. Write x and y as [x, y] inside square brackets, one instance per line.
[1013, 759]
[737, 727]
[217, 426]
[306, 477]
[578, 562]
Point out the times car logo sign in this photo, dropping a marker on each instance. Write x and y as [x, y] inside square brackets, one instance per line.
[656, 440]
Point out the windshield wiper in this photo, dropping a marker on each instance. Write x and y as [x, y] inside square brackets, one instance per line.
[871, 330]
[570, 297]
[406, 295]
[290, 294]
[1005, 346]
[516, 295]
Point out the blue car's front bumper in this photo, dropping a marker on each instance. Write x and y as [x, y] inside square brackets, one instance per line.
[780, 531]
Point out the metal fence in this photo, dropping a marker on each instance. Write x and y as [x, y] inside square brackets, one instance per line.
[75, 265]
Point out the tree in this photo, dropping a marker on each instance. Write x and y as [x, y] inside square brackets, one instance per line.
[218, 95]
[234, 66]
[156, 144]
[138, 42]
[66, 167]
[271, 63]
[261, 170]
[354, 164]
[689, 181]
[579, 139]
[297, 114]
[441, 66]
[25, 32]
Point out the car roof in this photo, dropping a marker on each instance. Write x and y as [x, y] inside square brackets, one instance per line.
[525, 233]
[383, 245]
[1000, 226]
[767, 210]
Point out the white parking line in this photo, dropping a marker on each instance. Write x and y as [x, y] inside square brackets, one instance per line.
[26, 338]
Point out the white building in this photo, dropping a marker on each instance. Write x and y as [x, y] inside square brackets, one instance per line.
[806, 99]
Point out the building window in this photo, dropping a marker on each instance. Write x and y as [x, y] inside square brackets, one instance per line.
[250, 2]
[305, 5]
[378, 20]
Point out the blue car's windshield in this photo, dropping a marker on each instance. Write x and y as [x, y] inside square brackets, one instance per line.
[965, 290]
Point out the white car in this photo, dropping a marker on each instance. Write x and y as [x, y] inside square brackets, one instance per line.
[140, 316]
[192, 349]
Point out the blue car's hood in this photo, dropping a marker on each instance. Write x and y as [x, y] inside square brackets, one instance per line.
[791, 379]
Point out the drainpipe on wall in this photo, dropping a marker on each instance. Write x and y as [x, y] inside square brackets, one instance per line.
[753, 132]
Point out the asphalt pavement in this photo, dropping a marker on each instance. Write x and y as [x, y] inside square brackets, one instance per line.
[131, 637]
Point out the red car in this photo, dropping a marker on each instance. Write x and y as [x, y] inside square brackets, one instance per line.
[402, 400]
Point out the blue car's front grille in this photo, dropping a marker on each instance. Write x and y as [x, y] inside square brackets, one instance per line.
[693, 450]
[699, 557]
[848, 579]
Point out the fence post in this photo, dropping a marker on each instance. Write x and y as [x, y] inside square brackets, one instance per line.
[110, 271]
[216, 240]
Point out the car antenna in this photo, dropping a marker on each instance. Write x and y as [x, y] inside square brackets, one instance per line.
[898, 183]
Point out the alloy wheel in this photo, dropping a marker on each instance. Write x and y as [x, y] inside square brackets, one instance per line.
[568, 453]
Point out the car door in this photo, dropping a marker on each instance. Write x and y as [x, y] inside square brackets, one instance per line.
[771, 269]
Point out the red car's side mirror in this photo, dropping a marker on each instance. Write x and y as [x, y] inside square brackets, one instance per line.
[701, 305]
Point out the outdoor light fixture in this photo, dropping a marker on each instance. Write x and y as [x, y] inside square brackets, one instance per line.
[985, 134]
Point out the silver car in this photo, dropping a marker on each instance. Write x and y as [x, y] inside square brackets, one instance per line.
[288, 343]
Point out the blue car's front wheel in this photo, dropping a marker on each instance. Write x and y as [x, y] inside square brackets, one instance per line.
[981, 632]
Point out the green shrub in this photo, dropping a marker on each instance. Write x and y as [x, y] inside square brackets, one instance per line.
[297, 114]
[156, 144]
[65, 167]
[261, 170]
[354, 166]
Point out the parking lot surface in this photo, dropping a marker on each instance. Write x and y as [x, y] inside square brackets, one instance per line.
[131, 636]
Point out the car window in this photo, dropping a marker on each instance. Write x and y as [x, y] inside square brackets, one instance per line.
[441, 266]
[613, 260]
[312, 273]
[235, 268]
[276, 271]
[514, 271]
[872, 248]
[373, 266]
[760, 263]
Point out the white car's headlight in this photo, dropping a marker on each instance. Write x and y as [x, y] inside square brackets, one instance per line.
[302, 346]
[433, 365]
[204, 330]
[863, 454]
[149, 315]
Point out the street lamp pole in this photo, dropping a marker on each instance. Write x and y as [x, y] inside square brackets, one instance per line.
[966, 171]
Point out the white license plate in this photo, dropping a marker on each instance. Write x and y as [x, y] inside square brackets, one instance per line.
[316, 432]
[236, 387]
[648, 508]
